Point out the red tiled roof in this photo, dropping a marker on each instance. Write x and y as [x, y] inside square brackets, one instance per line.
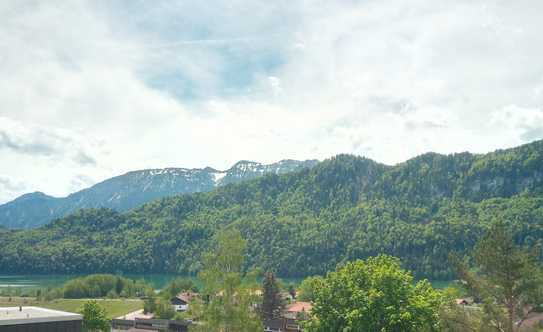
[186, 296]
[299, 307]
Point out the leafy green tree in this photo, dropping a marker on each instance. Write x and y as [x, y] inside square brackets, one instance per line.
[272, 302]
[374, 295]
[292, 290]
[94, 317]
[458, 318]
[164, 309]
[178, 285]
[119, 285]
[508, 280]
[149, 305]
[101, 285]
[229, 302]
[306, 290]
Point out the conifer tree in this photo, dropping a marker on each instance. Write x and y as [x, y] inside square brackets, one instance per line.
[508, 283]
[272, 303]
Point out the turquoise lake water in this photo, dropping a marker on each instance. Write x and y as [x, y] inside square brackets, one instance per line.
[29, 282]
[158, 281]
[50, 281]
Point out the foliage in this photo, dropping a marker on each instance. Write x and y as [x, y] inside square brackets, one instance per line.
[229, 302]
[508, 281]
[177, 286]
[94, 317]
[102, 285]
[305, 223]
[374, 295]
[307, 288]
[292, 291]
[458, 318]
[272, 302]
[164, 310]
[149, 305]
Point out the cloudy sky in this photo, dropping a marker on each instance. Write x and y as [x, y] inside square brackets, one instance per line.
[92, 89]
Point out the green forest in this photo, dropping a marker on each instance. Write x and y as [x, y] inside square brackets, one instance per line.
[308, 222]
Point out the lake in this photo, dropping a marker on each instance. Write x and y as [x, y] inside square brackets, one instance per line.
[158, 281]
[33, 282]
[55, 280]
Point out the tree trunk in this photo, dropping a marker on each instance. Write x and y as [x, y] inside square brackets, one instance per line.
[510, 318]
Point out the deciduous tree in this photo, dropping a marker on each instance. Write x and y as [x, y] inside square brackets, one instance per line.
[374, 295]
[94, 317]
[229, 302]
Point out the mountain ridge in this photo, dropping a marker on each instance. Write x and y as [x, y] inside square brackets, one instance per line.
[133, 188]
[306, 222]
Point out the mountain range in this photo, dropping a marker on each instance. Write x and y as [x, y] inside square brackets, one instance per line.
[135, 188]
[306, 222]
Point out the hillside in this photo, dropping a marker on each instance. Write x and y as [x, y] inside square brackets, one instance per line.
[306, 222]
[133, 189]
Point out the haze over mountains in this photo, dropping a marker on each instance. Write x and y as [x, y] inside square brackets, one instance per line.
[135, 188]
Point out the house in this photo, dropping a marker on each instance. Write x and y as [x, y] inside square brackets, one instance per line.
[290, 321]
[273, 325]
[138, 321]
[35, 319]
[299, 307]
[182, 300]
[286, 296]
[138, 314]
[282, 324]
[142, 325]
[464, 301]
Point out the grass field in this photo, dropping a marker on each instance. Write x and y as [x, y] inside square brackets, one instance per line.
[114, 307]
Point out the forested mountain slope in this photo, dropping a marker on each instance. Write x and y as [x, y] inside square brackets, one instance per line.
[306, 222]
[135, 188]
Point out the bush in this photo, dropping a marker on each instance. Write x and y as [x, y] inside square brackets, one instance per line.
[176, 286]
[164, 310]
[306, 291]
[149, 305]
[102, 285]
[94, 317]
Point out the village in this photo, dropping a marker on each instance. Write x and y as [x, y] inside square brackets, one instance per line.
[289, 320]
[230, 298]
[31, 318]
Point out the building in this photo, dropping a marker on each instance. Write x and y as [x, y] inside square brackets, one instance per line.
[298, 310]
[141, 325]
[274, 325]
[465, 301]
[291, 319]
[182, 300]
[282, 324]
[35, 319]
[138, 314]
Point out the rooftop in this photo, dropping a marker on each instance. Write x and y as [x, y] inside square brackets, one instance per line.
[136, 314]
[27, 315]
[187, 296]
[299, 307]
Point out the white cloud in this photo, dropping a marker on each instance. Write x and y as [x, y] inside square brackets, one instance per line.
[90, 90]
[11, 187]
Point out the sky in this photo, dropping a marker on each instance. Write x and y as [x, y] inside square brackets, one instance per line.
[93, 89]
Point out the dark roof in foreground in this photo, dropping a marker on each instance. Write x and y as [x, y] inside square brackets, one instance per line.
[27, 315]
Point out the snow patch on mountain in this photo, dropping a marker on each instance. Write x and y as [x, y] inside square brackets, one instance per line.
[130, 190]
[218, 176]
